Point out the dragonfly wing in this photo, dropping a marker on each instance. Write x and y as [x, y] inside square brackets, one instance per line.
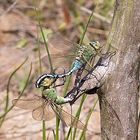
[48, 113]
[58, 114]
[38, 113]
[28, 104]
[43, 112]
[59, 48]
[60, 42]
[68, 118]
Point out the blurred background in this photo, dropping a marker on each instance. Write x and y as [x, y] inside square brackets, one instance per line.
[20, 37]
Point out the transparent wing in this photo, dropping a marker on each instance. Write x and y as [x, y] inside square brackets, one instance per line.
[59, 42]
[43, 112]
[68, 118]
[28, 104]
[61, 50]
[38, 113]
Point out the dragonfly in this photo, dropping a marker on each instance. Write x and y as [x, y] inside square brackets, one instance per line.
[48, 106]
[87, 83]
[82, 57]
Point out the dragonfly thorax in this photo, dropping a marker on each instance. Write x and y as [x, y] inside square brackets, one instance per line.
[50, 94]
[80, 52]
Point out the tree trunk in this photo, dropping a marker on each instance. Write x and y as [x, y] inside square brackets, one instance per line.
[119, 96]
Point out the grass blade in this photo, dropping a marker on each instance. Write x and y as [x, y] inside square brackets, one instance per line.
[2, 117]
[44, 130]
[77, 115]
[50, 62]
[82, 137]
[8, 84]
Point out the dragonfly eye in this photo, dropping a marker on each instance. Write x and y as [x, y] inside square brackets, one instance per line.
[43, 81]
[95, 44]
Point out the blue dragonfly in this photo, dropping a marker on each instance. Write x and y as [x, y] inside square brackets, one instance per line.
[82, 56]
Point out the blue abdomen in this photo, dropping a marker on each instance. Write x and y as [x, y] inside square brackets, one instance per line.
[76, 66]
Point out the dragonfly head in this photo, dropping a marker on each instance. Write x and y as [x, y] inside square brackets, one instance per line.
[45, 81]
[95, 44]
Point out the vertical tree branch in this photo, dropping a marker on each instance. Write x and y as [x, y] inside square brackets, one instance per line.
[119, 96]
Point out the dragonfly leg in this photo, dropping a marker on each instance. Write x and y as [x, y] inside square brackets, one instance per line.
[64, 80]
[58, 85]
[89, 92]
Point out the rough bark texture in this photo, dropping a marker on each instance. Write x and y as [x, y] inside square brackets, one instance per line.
[119, 95]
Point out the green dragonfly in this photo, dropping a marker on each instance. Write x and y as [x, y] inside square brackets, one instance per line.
[82, 55]
[47, 107]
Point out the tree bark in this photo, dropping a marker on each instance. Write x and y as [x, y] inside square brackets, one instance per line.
[118, 97]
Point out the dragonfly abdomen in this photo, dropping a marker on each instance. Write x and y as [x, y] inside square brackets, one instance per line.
[77, 64]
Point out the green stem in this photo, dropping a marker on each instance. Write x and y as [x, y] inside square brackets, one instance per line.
[8, 110]
[82, 137]
[46, 46]
[78, 113]
[50, 62]
[83, 35]
[44, 130]
[39, 53]
[8, 84]
[57, 128]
